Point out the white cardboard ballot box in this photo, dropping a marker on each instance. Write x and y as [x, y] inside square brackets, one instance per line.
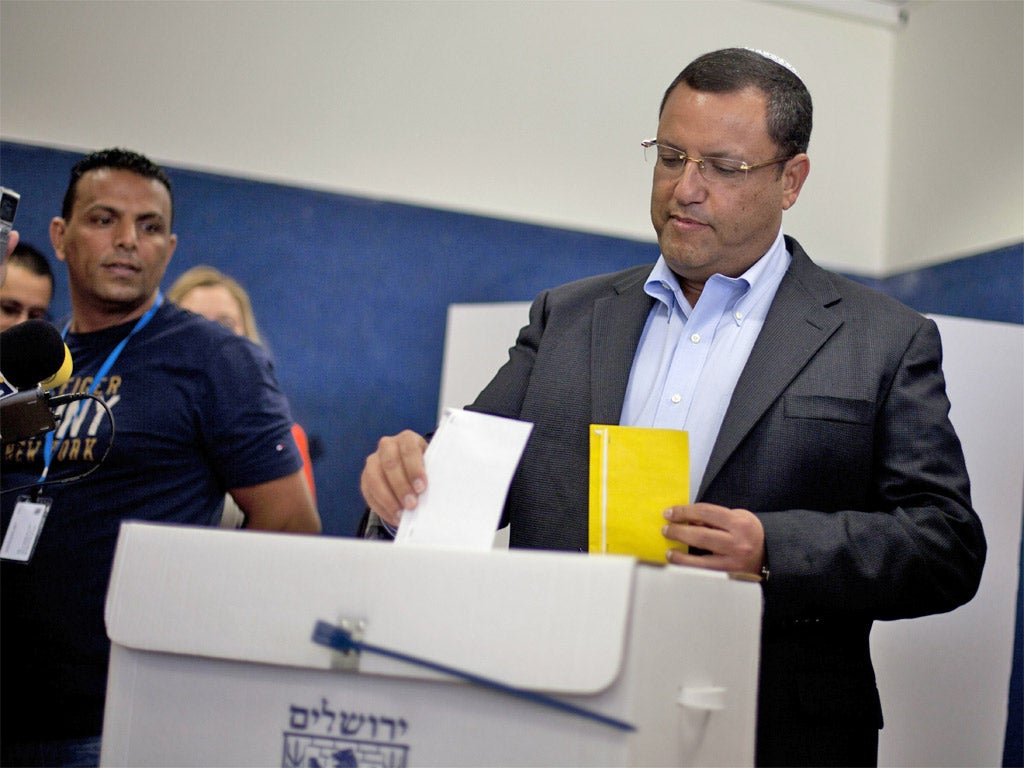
[213, 663]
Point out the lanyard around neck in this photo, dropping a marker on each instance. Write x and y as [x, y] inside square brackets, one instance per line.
[50, 449]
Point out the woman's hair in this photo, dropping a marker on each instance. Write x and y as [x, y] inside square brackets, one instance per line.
[208, 277]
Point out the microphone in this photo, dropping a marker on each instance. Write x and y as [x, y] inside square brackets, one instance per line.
[32, 354]
[28, 413]
[34, 359]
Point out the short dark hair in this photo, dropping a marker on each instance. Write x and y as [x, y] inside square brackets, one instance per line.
[733, 69]
[32, 259]
[117, 159]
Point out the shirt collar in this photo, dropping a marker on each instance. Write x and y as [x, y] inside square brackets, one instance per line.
[663, 284]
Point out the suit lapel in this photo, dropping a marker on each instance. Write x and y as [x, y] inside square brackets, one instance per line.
[619, 322]
[797, 325]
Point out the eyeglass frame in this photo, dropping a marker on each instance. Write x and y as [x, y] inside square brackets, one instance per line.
[699, 161]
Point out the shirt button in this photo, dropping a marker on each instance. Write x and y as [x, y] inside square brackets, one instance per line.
[676, 398]
[739, 315]
[695, 338]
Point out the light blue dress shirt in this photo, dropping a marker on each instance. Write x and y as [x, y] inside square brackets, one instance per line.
[690, 358]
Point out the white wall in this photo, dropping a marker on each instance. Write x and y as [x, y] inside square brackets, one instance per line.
[957, 170]
[534, 110]
[530, 111]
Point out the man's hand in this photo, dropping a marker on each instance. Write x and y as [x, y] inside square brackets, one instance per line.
[12, 243]
[394, 476]
[733, 537]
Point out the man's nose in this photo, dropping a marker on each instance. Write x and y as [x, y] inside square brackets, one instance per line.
[690, 185]
[125, 235]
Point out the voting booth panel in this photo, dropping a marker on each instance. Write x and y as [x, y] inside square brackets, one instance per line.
[213, 661]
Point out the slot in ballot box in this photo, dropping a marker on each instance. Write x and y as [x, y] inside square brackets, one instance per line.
[213, 662]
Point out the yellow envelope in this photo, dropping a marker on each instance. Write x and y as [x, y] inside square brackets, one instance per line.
[636, 473]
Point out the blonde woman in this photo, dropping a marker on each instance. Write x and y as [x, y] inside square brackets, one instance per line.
[216, 296]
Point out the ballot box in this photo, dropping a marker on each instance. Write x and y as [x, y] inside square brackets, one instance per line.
[457, 658]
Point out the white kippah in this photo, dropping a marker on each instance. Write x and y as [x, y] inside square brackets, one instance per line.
[777, 59]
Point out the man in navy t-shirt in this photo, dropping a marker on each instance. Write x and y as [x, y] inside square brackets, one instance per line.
[194, 411]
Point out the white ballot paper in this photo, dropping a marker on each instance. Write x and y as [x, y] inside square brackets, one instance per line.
[470, 462]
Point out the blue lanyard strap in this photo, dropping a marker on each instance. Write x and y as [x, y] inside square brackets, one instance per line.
[50, 449]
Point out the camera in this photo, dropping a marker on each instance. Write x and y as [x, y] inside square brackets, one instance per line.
[8, 207]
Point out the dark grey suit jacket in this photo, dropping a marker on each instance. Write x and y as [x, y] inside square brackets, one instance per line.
[836, 436]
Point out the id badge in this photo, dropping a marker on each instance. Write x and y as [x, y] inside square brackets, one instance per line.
[26, 526]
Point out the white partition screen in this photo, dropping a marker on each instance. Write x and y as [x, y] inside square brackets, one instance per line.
[944, 679]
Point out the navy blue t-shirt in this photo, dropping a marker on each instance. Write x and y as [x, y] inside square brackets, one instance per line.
[196, 411]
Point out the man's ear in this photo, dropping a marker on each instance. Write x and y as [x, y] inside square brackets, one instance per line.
[57, 229]
[794, 174]
[172, 246]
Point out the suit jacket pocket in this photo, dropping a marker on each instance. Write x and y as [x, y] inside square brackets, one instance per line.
[828, 408]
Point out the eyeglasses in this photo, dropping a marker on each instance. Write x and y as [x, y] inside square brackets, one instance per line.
[13, 308]
[715, 170]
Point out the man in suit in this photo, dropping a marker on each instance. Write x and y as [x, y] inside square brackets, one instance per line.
[822, 455]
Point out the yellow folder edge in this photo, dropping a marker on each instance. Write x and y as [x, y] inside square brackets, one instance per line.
[636, 473]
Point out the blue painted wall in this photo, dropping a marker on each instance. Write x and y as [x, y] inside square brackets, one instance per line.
[352, 294]
[985, 286]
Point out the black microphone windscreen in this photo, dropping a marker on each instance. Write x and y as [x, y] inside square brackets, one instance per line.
[30, 352]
